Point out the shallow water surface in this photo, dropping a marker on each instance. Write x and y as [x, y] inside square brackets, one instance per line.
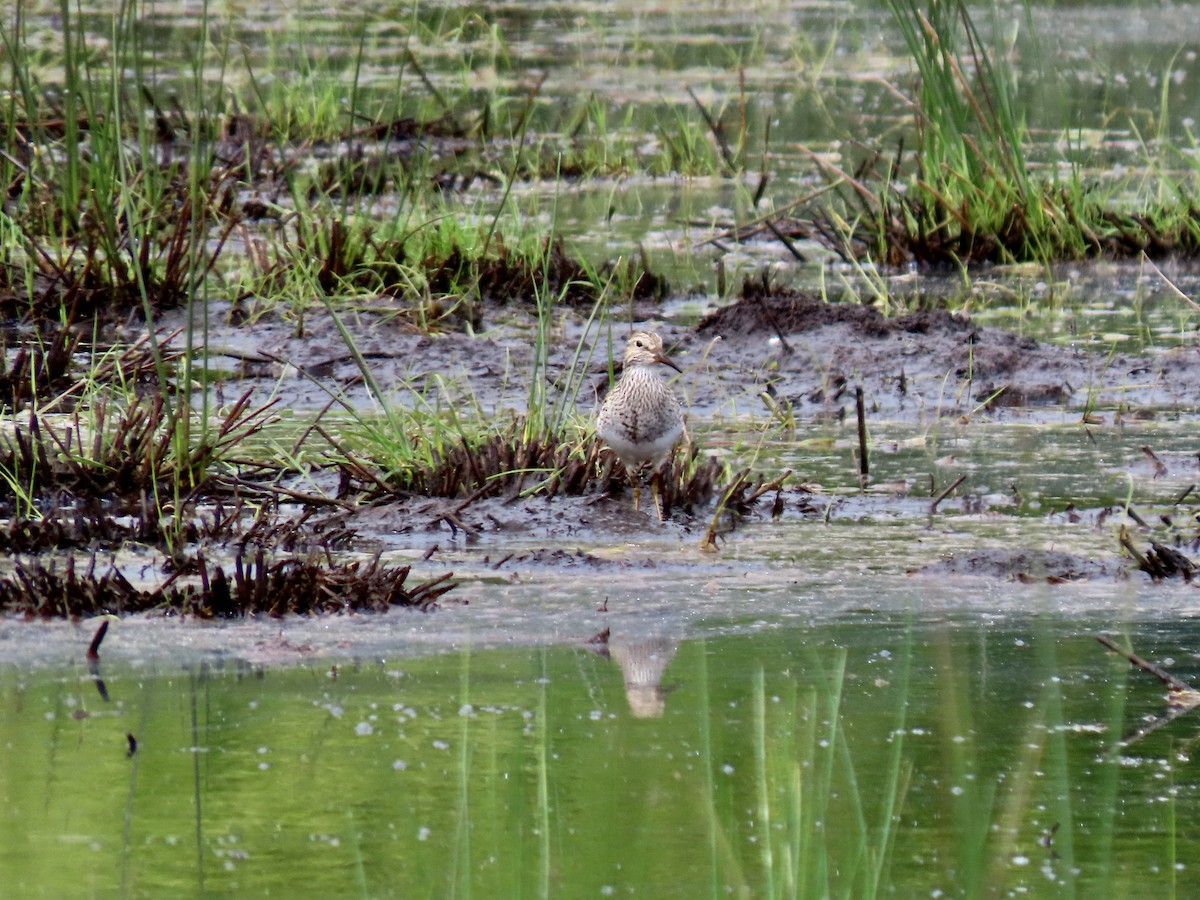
[825, 707]
[910, 755]
[627, 79]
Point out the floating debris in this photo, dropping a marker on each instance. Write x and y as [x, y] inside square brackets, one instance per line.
[93, 651]
[1181, 696]
[93, 660]
[1160, 561]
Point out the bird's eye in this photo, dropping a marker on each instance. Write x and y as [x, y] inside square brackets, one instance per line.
[638, 344]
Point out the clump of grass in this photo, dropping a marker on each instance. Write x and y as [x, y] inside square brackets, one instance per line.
[1160, 562]
[125, 453]
[50, 370]
[89, 523]
[39, 369]
[521, 462]
[966, 193]
[506, 275]
[253, 586]
[406, 156]
[95, 277]
[437, 274]
[430, 450]
[65, 530]
[106, 217]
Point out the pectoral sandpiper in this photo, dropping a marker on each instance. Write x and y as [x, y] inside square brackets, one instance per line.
[640, 418]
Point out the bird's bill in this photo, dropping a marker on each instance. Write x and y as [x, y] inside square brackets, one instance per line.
[667, 361]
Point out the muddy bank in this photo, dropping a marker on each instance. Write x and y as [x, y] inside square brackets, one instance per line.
[790, 356]
[801, 352]
[928, 364]
[1026, 566]
[779, 368]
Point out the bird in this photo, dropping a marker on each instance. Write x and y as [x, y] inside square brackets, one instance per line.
[640, 419]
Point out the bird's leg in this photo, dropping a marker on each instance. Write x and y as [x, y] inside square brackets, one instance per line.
[636, 483]
[656, 492]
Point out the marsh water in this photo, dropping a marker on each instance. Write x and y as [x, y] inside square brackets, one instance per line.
[808, 712]
[936, 752]
[863, 695]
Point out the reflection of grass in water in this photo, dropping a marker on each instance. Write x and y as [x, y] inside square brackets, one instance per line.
[788, 763]
[461, 872]
[198, 746]
[543, 785]
[134, 765]
[834, 817]
[805, 774]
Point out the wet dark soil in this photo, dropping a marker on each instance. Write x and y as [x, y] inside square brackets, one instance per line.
[934, 363]
[811, 355]
[794, 348]
[758, 356]
[1026, 566]
[801, 353]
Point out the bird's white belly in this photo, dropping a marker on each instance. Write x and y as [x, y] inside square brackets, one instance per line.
[646, 448]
